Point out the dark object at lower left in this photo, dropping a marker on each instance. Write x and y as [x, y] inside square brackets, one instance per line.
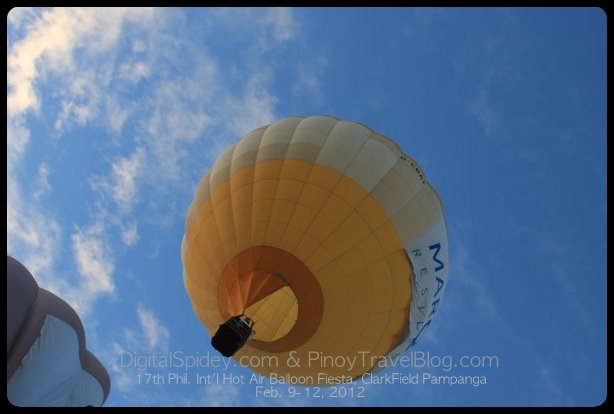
[232, 335]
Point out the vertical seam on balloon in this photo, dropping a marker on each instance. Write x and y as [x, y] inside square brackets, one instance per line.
[287, 223]
[312, 165]
[255, 161]
[215, 217]
[332, 191]
[235, 208]
[352, 246]
[390, 276]
[390, 272]
[411, 200]
[389, 220]
[283, 162]
[244, 295]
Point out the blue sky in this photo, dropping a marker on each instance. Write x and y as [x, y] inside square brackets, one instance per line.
[114, 115]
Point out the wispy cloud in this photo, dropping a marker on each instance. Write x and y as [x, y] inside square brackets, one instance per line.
[563, 269]
[17, 137]
[50, 39]
[189, 101]
[308, 80]
[50, 45]
[130, 234]
[265, 28]
[221, 395]
[33, 235]
[42, 182]
[95, 265]
[156, 335]
[485, 113]
[473, 297]
[253, 107]
[17, 16]
[175, 118]
[151, 336]
[282, 23]
[134, 71]
[125, 174]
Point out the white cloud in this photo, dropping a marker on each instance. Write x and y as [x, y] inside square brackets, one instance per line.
[485, 113]
[51, 42]
[80, 50]
[473, 284]
[253, 109]
[263, 28]
[95, 265]
[17, 137]
[17, 16]
[130, 235]
[125, 173]
[139, 46]
[89, 94]
[50, 36]
[156, 334]
[49, 50]
[43, 45]
[42, 182]
[75, 112]
[178, 110]
[123, 379]
[151, 336]
[564, 275]
[116, 115]
[308, 80]
[175, 118]
[282, 23]
[221, 395]
[134, 71]
[33, 235]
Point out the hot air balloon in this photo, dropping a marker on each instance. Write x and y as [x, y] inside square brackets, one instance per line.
[48, 363]
[317, 240]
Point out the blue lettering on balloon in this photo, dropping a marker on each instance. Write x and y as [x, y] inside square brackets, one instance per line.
[436, 247]
[434, 307]
[413, 341]
[440, 284]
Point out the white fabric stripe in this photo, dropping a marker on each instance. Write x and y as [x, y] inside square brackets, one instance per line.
[372, 160]
[246, 150]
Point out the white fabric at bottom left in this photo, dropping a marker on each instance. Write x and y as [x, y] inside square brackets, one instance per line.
[50, 374]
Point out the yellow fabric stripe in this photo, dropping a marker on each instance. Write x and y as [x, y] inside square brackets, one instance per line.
[330, 223]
